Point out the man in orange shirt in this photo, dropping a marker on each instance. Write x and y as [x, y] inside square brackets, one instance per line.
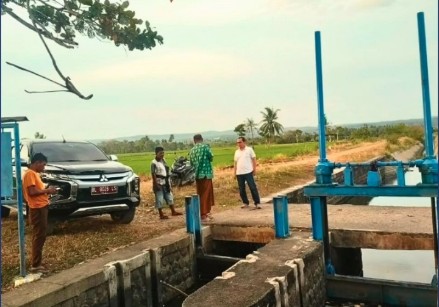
[37, 198]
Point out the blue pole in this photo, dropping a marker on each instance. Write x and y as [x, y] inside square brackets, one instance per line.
[278, 217]
[317, 218]
[197, 218]
[321, 112]
[286, 219]
[429, 148]
[21, 240]
[190, 223]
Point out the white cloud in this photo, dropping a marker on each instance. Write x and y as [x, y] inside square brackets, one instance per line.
[225, 61]
[204, 13]
[189, 66]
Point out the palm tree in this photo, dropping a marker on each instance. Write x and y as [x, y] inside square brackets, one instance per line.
[240, 130]
[270, 127]
[251, 127]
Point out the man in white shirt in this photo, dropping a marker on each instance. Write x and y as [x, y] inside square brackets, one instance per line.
[245, 169]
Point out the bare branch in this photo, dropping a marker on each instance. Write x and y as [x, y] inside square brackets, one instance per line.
[73, 89]
[51, 56]
[68, 83]
[38, 92]
[49, 5]
[30, 71]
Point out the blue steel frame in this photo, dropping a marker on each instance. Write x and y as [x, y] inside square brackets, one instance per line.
[193, 218]
[21, 242]
[281, 223]
[323, 187]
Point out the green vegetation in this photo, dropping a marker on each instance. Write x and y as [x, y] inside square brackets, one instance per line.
[223, 156]
[289, 145]
[292, 143]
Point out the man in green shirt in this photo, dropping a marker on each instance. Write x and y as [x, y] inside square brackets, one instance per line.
[201, 158]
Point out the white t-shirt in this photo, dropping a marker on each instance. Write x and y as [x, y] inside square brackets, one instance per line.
[243, 159]
[160, 170]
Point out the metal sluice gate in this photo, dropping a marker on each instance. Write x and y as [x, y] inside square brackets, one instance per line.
[369, 290]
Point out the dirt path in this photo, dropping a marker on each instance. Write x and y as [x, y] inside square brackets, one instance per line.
[338, 154]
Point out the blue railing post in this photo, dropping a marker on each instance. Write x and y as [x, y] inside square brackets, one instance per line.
[429, 169]
[317, 218]
[348, 175]
[197, 219]
[321, 112]
[286, 215]
[429, 148]
[323, 169]
[190, 223]
[400, 178]
[22, 248]
[281, 225]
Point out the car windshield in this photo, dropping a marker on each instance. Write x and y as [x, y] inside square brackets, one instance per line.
[69, 151]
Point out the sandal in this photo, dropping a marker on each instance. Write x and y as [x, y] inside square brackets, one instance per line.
[176, 213]
[164, 217]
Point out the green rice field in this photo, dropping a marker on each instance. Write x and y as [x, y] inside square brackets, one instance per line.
[223, 156]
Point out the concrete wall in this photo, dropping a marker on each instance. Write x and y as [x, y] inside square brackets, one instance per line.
[285, 272]
[128, 277]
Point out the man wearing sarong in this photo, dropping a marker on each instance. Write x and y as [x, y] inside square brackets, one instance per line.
[201, 158]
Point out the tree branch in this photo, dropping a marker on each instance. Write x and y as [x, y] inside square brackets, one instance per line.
[38, 92]
[47, 34]
[69, 86]
[30, 71]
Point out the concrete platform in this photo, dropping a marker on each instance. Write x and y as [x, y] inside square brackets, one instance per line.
[350, 225]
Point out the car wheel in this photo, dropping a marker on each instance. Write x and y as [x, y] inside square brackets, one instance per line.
[5, 212]
[124, 217]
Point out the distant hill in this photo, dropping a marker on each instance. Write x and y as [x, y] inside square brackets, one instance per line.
[228, 135]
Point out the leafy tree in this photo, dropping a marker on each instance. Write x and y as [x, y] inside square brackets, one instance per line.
[61, 21]
[39, 135]
[171, 138]
[240, 130]
[270, 127]
[251, 127]
[298, 135]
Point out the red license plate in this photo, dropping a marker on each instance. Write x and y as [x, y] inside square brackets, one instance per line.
[108, 189]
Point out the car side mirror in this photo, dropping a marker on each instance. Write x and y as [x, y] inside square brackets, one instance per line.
[113, 158]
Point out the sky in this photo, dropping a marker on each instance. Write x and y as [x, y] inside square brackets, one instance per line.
[223, 62]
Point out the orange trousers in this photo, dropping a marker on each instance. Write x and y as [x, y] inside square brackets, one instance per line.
[38, 221]
[205, 191]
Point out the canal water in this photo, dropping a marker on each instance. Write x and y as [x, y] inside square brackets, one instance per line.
[418, 265]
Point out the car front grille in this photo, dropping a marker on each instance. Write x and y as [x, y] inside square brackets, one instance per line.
[84, 194]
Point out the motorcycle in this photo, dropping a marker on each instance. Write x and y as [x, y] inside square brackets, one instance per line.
[182, 172]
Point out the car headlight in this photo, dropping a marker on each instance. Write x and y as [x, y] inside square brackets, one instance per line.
[136, 184]
[52, 176]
